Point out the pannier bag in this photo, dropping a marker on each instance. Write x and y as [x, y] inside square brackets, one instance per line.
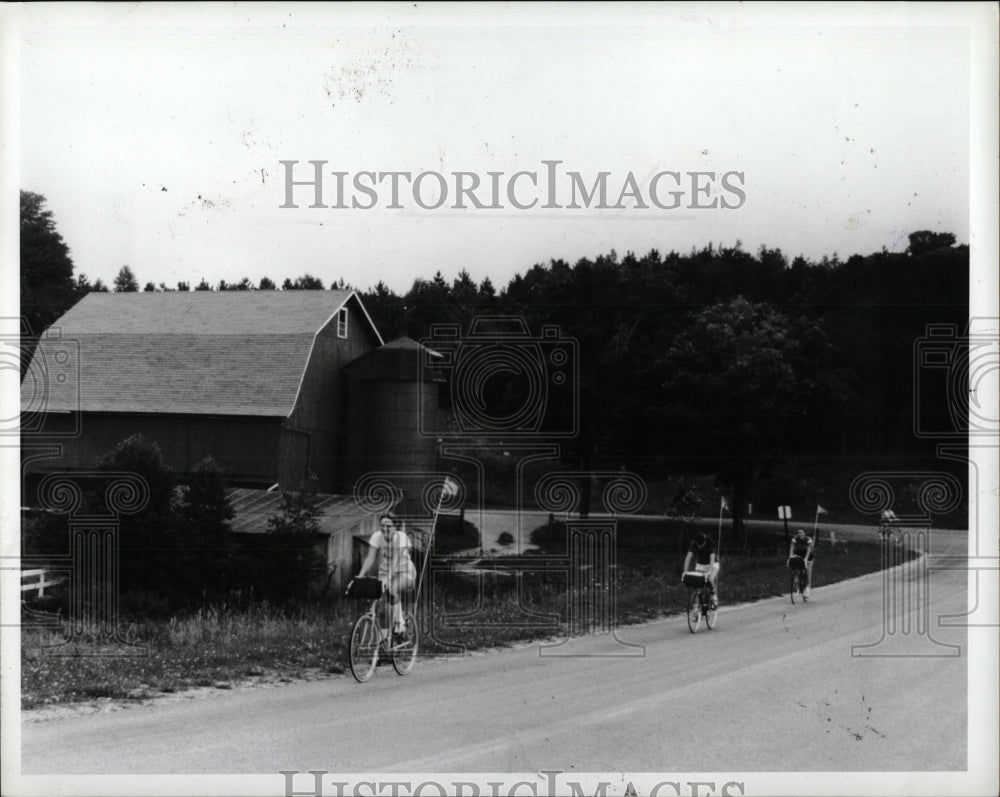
[694, 580]
[365, 589]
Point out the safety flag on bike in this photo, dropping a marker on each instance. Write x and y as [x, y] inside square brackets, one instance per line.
[819, 511]
[450, 487]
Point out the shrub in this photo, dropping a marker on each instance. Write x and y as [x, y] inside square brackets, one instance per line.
[454, 534]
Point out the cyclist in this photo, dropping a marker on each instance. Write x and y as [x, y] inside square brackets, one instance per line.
[887, 528]
[802, 548]
[391, 546]
[701, 558]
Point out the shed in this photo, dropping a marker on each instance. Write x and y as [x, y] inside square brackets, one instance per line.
[341, 521]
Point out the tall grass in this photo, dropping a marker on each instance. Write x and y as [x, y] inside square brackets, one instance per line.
[224, 645]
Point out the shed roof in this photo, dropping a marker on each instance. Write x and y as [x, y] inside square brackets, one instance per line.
[201, 352]
[253, 508]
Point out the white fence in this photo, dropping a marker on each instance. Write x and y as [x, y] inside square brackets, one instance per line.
[37, 581]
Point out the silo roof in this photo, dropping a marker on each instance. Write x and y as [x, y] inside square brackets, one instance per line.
[400, 360]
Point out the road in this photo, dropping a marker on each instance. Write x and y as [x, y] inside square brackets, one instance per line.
[773, 687]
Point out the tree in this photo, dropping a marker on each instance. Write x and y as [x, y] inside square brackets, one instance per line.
[306, 282]
[386, 310]
[203, 285]
[290, 540]
[83, 286]
[126, 282]
[151, 553]
[47, 286]
[149, 288]
[204, 513]
[924, 241]
[266, 284]
[183, 286]
[735, 380]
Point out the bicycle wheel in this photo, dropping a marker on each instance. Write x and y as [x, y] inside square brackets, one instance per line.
[404, 652]
[793, 583]
[711, 610]
[364, 648]
[694, 610]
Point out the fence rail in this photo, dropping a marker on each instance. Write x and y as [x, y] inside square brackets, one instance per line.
[38, 580]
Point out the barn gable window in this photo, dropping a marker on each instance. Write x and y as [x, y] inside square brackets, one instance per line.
[342, 323]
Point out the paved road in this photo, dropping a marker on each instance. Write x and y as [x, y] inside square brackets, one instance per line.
[774, 687]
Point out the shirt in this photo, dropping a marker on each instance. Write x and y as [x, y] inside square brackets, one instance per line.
[802, 547]
[703, 550]
[394, 554]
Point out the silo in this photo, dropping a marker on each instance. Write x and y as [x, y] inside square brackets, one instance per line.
[393, 394]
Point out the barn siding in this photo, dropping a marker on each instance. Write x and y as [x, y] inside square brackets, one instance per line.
[317, 416]
[244, 447]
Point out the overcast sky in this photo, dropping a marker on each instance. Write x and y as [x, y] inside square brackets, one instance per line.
[156, 133]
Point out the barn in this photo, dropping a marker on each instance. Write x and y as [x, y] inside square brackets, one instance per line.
[253, 378]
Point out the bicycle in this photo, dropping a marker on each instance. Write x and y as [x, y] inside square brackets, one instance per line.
[888, 532]
[701, 602]
[797, 578]
[685, 506]
[369, 642]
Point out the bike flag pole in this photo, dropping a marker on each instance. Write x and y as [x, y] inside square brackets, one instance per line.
[448, 488]
[718, 542]
[819, 511]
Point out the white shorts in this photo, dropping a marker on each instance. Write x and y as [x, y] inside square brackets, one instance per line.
[711, 571]
[398, 582]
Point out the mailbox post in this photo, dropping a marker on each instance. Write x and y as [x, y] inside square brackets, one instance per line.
[785, 514]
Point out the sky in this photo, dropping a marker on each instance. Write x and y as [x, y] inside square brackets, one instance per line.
[157, 134]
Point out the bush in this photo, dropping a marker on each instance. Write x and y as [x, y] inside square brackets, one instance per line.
[453, 534]
[279, 565]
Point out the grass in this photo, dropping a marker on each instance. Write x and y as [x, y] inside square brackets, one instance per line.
[215, 646]
[223, 646]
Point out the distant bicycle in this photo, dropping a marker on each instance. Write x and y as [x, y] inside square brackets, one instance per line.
[686, 505]
[889, 532]
[701, 602]
[888, 529]
[370, 643]
[797, 578]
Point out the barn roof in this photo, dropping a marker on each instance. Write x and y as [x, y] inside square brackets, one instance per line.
[201, 352]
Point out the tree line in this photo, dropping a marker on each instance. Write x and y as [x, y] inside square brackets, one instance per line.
[717, 360]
